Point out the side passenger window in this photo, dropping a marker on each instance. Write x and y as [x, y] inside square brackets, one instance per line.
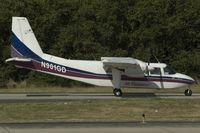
[156, 71]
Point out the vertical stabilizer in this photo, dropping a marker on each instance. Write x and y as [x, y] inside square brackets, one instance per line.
[23, 40]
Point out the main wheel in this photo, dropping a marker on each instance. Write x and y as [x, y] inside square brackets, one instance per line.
[188, 92]
[117, 92]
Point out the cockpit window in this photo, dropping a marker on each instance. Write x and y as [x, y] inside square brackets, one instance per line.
[156, 71]
[168, 71]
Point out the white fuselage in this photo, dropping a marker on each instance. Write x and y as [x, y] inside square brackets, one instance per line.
[93, 72]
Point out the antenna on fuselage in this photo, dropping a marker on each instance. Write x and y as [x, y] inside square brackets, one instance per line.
[155, 58]
[152, 58]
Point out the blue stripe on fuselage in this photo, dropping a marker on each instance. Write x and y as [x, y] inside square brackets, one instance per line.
[27, 53]
[23, 49]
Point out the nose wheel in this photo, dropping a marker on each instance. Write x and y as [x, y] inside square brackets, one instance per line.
[117, 92]
[188, 92]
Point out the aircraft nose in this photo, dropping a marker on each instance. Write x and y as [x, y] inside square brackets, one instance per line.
[189, 79]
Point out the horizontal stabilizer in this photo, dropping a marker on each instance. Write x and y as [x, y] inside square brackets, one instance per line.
[16, 59]
[19, 62]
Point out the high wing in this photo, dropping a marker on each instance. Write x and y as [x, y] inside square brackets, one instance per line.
[129, 66]
[123, 65]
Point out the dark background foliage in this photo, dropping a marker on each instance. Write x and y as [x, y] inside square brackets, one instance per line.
[90, 29]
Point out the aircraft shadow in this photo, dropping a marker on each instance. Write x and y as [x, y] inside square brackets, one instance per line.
[138, 95]
[125, 95]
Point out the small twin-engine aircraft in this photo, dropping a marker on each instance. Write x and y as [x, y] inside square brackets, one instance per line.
[114, 72]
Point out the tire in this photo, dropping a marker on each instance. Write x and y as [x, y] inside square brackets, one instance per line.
[188, 92]
[117, 92]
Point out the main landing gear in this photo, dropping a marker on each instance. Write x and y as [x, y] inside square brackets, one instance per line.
[188, 92]
[117, 92]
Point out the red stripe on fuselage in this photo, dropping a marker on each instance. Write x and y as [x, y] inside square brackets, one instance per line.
[35, 65]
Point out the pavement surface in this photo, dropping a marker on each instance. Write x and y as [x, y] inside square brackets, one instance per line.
[97, 127]
[55, 97]
[101, 128]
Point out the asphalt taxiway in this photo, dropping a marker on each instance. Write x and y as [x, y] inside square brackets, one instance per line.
[101, 127]
[55, 97]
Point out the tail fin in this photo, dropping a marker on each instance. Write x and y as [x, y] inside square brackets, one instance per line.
[23, 41]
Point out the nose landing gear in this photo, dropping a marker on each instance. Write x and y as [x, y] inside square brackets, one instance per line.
[188, 92]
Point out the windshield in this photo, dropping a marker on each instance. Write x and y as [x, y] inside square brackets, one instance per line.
[168, 71]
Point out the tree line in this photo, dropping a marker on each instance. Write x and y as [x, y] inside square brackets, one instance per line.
[90, 29]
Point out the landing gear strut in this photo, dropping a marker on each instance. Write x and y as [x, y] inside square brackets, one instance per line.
[188, 92]
[117, 92]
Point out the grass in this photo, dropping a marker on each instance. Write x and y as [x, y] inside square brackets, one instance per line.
[103, 110]
[125, 109]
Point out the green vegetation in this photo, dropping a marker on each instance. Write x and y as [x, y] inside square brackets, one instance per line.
[89, 29]
[97, 110]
